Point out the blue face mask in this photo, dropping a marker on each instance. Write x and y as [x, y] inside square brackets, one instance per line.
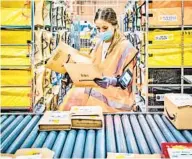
[105, 36]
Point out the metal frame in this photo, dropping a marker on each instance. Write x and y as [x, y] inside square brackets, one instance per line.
[31, 27]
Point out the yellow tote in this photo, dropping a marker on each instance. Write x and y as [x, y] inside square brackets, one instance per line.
[165, 57]
[188, 56]
[16, 78]
[15, 3]
[15, 56]
[15, 16]
[15, 36]
[15, 97]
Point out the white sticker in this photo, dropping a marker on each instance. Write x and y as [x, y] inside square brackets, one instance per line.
[58, 117]
[164, 37]
[126, 78]
[180, 153]
[168, 18]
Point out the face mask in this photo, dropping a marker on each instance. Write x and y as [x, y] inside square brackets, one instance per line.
[105, 36]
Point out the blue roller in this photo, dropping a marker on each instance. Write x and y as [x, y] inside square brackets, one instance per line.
[40, 139]
[11, 127]
[7, 122]
[153, 145]
[187, 135]
[3, 118]
[130, 138]
[69, 144]
[110, 135]
[50, 140]
[23, 135]
[31, 138]
[155, 129]
[100, 144]
[141, 142]
[164, 129]
[120, 137]
[79, 144]
[90, 144]
[59, 143]
[175, 132]
[9, 140]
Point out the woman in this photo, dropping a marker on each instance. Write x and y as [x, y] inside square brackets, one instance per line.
[112, 54]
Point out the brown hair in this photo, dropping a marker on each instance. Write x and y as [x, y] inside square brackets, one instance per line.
[107, 14]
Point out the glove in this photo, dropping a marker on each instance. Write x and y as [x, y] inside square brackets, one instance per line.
[106, 81]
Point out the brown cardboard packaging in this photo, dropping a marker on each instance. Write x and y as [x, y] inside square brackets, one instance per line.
[55, 120]
[65, 54]
[86, 117]
[126, 156]
[36, 153]
[165, 17]
[7, 156]
[178, 109]
[83, 75]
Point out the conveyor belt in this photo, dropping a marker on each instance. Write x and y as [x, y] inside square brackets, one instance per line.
[126, 133]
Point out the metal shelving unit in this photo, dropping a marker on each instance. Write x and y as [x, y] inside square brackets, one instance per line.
[30, 44]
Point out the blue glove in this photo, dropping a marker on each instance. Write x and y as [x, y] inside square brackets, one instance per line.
[106, 81]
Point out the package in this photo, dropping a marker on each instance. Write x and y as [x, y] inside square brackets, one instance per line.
[15, 56]
[55, 120]
[188, 15]
[86, 117]
[165, 17]
[15, 16]
[34, 153]
[15, 97]
[38, 19]
[178, 109]
[47, 13]
[22, 78]
[65, 54]
[7, 156]
[48, 101]
[126, 155]
[165, 56]
[46, 44]
[38, 47]
[15, 36]
[83, 75]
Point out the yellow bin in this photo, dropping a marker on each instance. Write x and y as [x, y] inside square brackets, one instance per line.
[15, 56]
[16, 78]
[15, 97]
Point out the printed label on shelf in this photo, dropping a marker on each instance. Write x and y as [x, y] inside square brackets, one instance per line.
[168, 18]
[160, 97]
[180, 153]
[164, 37]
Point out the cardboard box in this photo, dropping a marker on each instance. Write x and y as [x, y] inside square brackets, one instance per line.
[126, 155]
[83, 75]
[86, 117]
[7, 156]
[34, 153]
[178, 109]
[65, 54]
[55, 120]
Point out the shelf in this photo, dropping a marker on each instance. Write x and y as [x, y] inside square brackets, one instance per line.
[168, 85]
[27, 67]
[9, 27]
[14, 44]
[156, 106]
[164, 66]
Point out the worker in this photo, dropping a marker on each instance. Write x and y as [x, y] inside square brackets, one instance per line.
[111, 54]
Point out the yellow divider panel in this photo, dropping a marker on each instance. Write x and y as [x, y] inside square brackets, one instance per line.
[15, 97]
[14, 56]
[15, 36]
[15, 78]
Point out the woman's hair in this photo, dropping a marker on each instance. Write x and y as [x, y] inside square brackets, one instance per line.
[107, 14]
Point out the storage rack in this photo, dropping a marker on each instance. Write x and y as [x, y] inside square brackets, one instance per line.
[138, 15]
[30, 44]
